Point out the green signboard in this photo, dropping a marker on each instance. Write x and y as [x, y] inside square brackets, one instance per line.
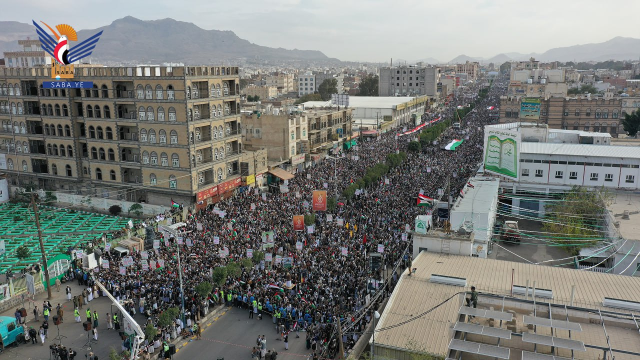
[530, 109]
[502, 152]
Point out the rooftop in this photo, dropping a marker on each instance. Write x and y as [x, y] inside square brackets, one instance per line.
[380, 102]
[432, 330]
[480, 198]
[580, 150]
[626, 201]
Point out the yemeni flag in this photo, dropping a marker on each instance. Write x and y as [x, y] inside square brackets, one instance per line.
[453, 144]
[490, 108]
[424, 200]
[174, 204]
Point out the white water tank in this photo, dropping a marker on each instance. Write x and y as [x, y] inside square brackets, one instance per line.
[4, 189]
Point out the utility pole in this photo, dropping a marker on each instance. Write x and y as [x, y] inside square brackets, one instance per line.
[340, 344]
[44, 254]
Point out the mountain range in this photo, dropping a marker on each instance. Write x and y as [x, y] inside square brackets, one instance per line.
[131, 40]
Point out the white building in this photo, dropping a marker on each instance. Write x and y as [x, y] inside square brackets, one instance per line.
[306, 84]
[408, 81]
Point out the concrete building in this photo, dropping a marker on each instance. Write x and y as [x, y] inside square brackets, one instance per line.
[587, 113]
[285, 83]
[537, 83]
[320, 77]
[306, 83]
[512, 318]
[283, 135]
[263, 92]
[379, 114]
[146, 134]
[470, 68]
[31, 55]
[408, 81]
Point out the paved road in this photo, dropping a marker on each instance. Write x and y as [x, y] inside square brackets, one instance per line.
[75, 336]
[232, 335]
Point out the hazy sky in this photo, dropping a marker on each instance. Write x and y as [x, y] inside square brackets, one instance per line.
[367, 30]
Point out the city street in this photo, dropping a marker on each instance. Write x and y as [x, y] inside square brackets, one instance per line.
[233, 335]
[72, 335]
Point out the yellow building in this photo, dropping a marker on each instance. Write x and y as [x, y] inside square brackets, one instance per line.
[263, 92]
[147, 134]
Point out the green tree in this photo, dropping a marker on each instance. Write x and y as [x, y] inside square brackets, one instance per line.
[115, 210]
[204, 289]
[167, 316]
[310, 219]
[414, 146]
[136, 209]
[219, 275]
[233, 269]
[328, 87]
[22, 252]
[331, 203]
[631, 123]
[309, 97]
[246, 263]
[369, 86]
[582, 90]
[250, 98]
[257, 257]
[150, 332]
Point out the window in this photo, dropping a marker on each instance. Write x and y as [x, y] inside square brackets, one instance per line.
[293, 151]
[164, 159]
[573, 175]
[102, 154]
[89, 111]
[26, 168]
[175, 160]
[148, 92]
[188, 92]
[140, 92]
[69, 151]
[55, 150]
[162, 137]
[112, 175]
[62, 150]
[150, 114]
[152, 136]
[94, 153]
[105, 91]
[143, 135]
[173, 183]
[57, 109]
[96, 110]
[608, 177]
[594, 177]
[630, 179]
[539, 173]
[98, 174]
[174, 137]
[68, 170]
[54, 168]
[112, 155]
[10, 164]
[293, 135]
[145, 157]
[219, 174]
[154, 158]
[94, 91]
[172, 114]
[142, 115]
[100, 133]
[614, 115]
[170, 92]
[160, 113]
[109, 133]
[588, 112]
[65, 110]
[107, 112]
[85, 170]
[221, 153]
[566, 112]
[153, 180]
[559, 174]
[159, 92]
[577, 112]
[60, 133]
[215, 152]
[67, 131]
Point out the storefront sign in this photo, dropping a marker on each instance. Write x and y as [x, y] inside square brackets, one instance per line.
[250, 180]
[205, 194]
[297, 159]
[229, 185]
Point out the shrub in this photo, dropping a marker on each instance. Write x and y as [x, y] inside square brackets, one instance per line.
[219, 275]
[115, 210]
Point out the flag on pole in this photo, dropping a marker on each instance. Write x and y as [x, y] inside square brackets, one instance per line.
[424, 200]
[470, 185]
[174, 204]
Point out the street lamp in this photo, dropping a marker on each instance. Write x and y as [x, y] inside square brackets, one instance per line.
[335, 174]
[175, 235]
[376, 315]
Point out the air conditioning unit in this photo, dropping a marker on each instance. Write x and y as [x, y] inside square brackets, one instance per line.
[542, 293]
[448, 280]
[621, 304]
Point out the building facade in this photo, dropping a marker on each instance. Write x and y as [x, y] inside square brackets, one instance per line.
[263, 92]
[282, 135]
[30, 56]
[408, 81]
[146, 134]
[285, 83]
[306, 84]
[469, 68]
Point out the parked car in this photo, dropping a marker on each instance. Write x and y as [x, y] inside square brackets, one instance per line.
[11, 331]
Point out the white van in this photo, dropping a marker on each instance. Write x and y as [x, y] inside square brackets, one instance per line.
[456, 125]
[120, 251]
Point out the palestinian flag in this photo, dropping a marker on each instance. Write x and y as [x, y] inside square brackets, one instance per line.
[453, 144]
[174, 204]
[424, 200]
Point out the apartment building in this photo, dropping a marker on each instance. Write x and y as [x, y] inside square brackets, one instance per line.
[285, 83]
[306, 83]
[327, 127]
[31, 55]
[263, 92]
[281, 134]
[408, 81]
[147, 134]
[470, 68]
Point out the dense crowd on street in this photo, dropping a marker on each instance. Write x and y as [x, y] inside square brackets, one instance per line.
[322, 285]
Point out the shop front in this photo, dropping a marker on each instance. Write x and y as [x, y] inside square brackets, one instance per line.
[297, 162]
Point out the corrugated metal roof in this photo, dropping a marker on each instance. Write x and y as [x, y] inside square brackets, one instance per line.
[378, 102]
[415, 294]
[480, 198]
[632, 152]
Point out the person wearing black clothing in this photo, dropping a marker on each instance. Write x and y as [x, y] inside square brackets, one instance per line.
[45, 326]
[33, 334]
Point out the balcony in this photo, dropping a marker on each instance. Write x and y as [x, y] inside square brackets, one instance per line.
[132, 176]
[129, 137]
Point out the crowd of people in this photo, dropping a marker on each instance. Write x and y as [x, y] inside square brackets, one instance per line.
[321, 285]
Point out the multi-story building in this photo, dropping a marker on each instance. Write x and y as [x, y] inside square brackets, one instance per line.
[321, 77]
[285, 83]
[263, 92]
[408, 81]
[469, 68]
[537, 83]
[327, 127]
[146, 133]
[599, 114]
[283, 135]
[306, 83]
[30, 56]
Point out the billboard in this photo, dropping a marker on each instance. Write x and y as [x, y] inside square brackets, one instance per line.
[530, 108]
[502, 152]
[319, 202]
[298, 222]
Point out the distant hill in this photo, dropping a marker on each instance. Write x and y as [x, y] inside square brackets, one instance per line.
[136, 41]
[11, 32]
[462, 59]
